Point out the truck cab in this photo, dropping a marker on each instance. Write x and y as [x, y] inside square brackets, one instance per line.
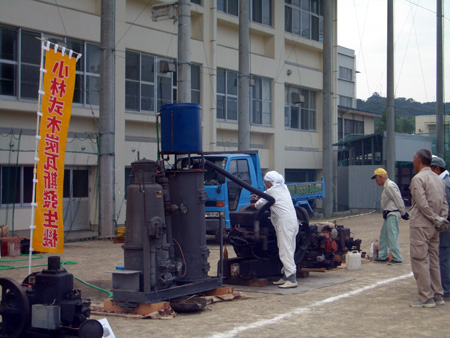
[225, 195]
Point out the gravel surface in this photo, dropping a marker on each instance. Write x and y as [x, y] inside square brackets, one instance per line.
[370, 302]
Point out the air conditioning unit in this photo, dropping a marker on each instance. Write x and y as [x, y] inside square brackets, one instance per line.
[166, 67]
[296, 98]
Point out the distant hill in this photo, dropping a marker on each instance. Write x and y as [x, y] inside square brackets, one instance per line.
[403, 107]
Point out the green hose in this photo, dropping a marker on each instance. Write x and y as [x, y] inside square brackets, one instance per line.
[84, 282]
[63, 263]
[8, 267]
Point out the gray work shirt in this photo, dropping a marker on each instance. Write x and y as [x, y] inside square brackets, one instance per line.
[429, 201]
[391, 198]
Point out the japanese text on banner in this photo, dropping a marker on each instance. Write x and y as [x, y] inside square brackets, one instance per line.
[58, 86]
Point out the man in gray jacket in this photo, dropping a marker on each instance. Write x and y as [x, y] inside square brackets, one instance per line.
[428, 217]
[438, 166]
[393, 207]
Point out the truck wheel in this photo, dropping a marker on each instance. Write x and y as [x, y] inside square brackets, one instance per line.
[225, 236]
[302, 214]
[303, 236]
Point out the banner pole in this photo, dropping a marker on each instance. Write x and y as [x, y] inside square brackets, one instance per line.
[45, 45]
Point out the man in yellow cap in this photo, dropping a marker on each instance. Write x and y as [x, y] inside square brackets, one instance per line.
[393, 207]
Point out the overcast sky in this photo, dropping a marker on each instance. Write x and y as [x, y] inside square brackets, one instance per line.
[362, 26]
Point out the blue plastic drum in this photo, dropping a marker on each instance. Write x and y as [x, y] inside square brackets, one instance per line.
[181, 128]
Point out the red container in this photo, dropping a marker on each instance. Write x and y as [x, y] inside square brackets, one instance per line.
[4, 248]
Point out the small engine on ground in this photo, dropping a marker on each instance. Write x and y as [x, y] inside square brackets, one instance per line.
[45, 305]
[327, 245]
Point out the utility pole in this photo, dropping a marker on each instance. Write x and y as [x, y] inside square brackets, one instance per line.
[244, 77]
[107, 120]
[184, 51]
[390, 113]
[440, 126]
[327, 110]
[213, 75]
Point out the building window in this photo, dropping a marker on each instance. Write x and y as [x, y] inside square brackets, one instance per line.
[304, 18]
[228, 6]
[300, 175]
[197, 2]
[227, 95]
[261, 103]
[260, 10]
[145, 81]
[30, 59]
[227, 98]
[8, 61]
[345, 101]
[20, 62]
[16, 185]
[350, 127]
[345, 74]
[299, 109]
[195, 84]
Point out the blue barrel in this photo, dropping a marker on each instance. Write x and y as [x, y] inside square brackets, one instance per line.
[181, 128]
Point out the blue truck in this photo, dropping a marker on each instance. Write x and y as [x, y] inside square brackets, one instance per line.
[225, 196]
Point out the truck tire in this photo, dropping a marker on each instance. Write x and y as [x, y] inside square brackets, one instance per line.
[225, 236]
[302, 214]
[303, 235]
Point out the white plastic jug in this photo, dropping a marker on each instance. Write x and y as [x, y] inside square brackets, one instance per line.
[353, 260]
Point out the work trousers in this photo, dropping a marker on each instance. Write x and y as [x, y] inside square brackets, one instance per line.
[389, 239]
[286, 230]
[444, 260]
[424, 249]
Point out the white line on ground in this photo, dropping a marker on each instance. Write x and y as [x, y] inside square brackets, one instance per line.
[296, 311]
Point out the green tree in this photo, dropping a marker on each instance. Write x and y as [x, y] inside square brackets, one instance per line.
[403, 124]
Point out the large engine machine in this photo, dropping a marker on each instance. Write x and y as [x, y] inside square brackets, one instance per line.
[45, 305]
[165, 252]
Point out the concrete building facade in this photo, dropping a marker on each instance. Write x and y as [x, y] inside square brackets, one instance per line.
[285, 62]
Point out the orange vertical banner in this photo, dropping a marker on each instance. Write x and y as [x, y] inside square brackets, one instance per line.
[58, 88]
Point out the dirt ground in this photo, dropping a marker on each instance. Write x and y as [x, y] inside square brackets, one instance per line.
[370, 302]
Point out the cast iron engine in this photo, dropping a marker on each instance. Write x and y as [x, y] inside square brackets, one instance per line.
[317, 246]
[165, 251]
[257, 249]
[46, 305]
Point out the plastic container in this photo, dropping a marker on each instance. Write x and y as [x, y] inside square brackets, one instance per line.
[353, 260]
[374, 250]
[14, 248]
[181, 128]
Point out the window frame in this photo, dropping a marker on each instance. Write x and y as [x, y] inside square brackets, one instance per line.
[81, 93]
[158, 79]
[24, 194]
[350, 127]
[262, 101]
[263, 17]
[307, 111]
[307, 10]
[345, 74]
[227, 97]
